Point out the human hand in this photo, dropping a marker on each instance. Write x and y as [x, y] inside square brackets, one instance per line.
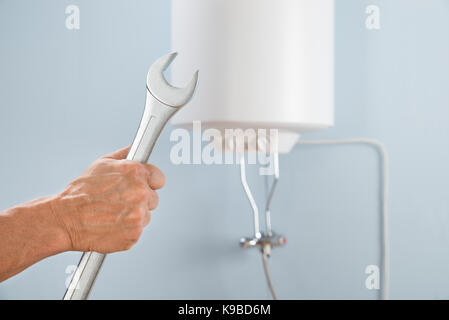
[107, 207]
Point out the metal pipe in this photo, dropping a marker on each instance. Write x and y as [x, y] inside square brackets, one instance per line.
[250, 197]
[271, 193]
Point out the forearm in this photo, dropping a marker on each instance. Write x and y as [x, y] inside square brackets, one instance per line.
[103, 210]
[29, 232]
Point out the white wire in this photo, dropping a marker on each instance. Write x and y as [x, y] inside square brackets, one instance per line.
[267, 274]
[250, 197]
[385, 189]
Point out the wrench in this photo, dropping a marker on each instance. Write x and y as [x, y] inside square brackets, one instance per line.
[162, 102]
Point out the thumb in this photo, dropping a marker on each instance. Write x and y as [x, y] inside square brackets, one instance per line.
[119, 154]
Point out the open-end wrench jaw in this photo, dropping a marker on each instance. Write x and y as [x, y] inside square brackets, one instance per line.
[163, 101]
[158, 86]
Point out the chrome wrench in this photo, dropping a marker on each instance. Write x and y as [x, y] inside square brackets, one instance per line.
[162, 102]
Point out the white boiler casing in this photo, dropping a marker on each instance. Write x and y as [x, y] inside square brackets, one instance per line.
[263, 64]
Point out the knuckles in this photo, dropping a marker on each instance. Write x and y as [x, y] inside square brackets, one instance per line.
[133, 169]
[131, 238]
[137, 195]
[135, 234]
[154, 200]
[136, 216]
[142, 193]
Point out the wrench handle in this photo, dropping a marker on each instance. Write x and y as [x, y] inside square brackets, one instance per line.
[155, 116]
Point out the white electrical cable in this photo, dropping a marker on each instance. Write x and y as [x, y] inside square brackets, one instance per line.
[386, 175]
[267, 273]
[250, 197]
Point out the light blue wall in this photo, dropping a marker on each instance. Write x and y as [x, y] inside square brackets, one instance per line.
[67, 97]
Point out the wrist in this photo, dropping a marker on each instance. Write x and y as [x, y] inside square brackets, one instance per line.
[60, 231]
[37, 233]
[29, 232]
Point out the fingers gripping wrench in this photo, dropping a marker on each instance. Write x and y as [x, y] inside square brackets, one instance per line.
[162, 102]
